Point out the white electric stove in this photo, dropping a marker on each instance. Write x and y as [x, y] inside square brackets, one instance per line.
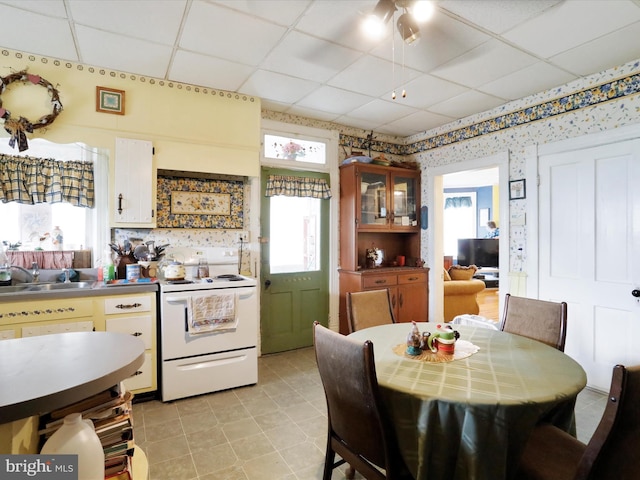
[222, 356]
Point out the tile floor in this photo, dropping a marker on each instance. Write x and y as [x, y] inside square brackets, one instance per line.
[273, 430]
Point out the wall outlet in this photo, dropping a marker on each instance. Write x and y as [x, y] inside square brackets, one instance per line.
[242, 236]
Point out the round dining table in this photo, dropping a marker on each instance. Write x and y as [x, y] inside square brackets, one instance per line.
[469, 418]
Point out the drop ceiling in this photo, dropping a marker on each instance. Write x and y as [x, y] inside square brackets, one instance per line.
[309, 57]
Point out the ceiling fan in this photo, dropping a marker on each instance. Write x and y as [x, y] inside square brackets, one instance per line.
[413, 13]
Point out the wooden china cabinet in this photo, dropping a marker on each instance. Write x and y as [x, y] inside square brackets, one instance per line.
[379, 210]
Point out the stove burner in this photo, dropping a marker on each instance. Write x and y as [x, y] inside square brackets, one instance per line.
[230, 277]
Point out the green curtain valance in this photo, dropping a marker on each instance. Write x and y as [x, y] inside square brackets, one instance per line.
[31, 180]
[290, 186]
[458, 202]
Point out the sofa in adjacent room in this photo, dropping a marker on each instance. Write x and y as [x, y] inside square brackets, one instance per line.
[461, 291]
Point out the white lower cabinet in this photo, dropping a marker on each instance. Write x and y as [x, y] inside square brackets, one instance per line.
[135, 315]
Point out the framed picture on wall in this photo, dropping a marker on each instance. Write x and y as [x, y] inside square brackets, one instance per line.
[109, 100]
[517, 189]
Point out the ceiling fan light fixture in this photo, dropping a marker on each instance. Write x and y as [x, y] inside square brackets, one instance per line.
[384, 10]
[408, 29]
[422, 10]
[374, 24]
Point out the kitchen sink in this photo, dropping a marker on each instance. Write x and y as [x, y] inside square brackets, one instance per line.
[40, 287]
[13, 289]
[44, 287]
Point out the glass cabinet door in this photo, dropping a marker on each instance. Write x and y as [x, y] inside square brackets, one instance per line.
[373, 199]
[404, 201]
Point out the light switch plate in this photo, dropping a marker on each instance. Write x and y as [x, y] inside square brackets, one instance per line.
[518, 219]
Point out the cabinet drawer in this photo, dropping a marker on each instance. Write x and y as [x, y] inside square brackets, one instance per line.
[414, 277]
[379, 281]
[139, 326]
[41, 311]
[143, 378]
[127, 305]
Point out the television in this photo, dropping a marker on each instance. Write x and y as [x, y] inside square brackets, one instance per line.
[481, 252]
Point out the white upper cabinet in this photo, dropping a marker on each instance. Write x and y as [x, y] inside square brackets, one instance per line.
[134, 191]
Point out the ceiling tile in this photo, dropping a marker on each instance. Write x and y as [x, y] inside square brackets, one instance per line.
[528, 81]
[426, 90]
[334, 100]
[466, 104]
[308, 57]
[570, 24]
[603, 53]
[418, 122]
[54, 34]
[188, 67]
[54, 8]
[372, 76]
[281, 12]
[142, 57]
[485, 63]
[278, 87]
[311, 113]
[339, 22]
[220, 32]
[386, 111]
[161, 23]
[497, 15]
[362, 123]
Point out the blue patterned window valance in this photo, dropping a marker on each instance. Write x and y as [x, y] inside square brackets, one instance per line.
[297, 187]
[458, 202]
[31, 180]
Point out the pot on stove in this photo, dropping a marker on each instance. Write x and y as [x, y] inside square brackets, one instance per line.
[174, 271]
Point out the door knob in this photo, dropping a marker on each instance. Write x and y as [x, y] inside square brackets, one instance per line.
[635, 293]
[267, 283]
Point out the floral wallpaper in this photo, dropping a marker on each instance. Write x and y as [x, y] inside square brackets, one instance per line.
[177, 210]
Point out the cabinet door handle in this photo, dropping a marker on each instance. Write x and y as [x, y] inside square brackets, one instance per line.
[131, 305]
[120, 204]
[413, 279]
[401, 300]
[393, 300]
[381, 282]
[136, 334]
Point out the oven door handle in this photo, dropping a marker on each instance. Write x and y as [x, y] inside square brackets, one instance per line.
[176, 299]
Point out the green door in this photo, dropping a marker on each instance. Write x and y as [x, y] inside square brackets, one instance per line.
[294, 259]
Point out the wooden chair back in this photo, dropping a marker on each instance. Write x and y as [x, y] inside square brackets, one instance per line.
[359, 429]
[537, 319]
[369, 309]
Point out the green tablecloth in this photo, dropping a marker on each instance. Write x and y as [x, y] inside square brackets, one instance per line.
[469, 418]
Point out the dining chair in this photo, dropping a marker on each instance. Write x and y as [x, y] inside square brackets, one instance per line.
[359, 430]
[536, 319]
[369, 309]
[612, 452]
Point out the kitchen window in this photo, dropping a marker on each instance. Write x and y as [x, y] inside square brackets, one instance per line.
[83, 228]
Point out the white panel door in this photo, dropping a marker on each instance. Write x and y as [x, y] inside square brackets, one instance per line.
[590, 252]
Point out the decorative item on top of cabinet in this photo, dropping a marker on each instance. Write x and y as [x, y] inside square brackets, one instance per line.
[135, 184]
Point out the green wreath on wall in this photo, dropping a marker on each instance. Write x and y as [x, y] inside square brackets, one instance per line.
[19, 127]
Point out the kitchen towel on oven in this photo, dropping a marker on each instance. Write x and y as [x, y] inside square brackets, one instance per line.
[212, 313]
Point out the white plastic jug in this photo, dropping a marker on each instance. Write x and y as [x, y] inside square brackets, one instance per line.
[77, 436]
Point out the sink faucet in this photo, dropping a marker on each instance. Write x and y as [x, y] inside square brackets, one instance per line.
[27, 272]
[35, 272]
[67, 275]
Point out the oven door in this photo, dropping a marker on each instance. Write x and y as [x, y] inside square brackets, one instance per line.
[178, 342]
